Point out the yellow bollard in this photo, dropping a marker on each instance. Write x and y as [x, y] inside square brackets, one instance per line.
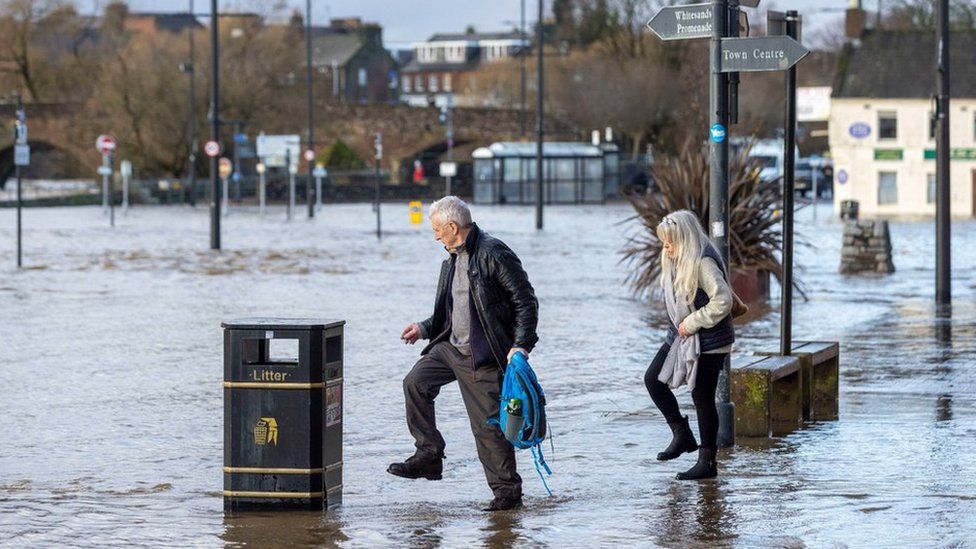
[416, 212]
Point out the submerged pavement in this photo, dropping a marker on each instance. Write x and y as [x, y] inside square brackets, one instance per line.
[111, 355]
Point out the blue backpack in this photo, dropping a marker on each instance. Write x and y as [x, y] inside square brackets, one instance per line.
[529, 429]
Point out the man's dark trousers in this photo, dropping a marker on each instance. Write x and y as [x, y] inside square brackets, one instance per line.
[479, 390]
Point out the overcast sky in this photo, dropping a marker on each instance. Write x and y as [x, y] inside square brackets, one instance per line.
[407, 21]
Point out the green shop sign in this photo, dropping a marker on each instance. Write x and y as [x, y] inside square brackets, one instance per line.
[888, 154]
[954, 154]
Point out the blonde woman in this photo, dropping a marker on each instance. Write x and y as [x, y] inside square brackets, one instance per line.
[699, 305]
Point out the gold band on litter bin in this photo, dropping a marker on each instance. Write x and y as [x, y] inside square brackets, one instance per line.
[307, 495]
[272, 471]
[253, 385]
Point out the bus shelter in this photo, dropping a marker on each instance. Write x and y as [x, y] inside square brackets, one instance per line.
[573, 173]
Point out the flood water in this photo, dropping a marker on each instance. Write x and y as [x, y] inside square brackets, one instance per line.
[111, 360]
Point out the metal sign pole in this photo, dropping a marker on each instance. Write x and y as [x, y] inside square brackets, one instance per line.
[450, 136]
[789, 188]
[111, 198]
[540, 96]
[214, 125]
[291, 185]
[814, 168]
[943, 235]
[376, 196]
[718, 197]
[225, 197]
[20, 138]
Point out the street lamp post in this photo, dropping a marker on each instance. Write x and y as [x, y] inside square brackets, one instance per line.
[191, 124]
[539, 186]
[308, 97]
[214, 126]
[943, 235]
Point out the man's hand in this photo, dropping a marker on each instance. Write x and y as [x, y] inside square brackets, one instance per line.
[682, 331]
[517, 350]
[411, 333]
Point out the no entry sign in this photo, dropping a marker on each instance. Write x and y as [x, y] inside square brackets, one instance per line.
[105, 143]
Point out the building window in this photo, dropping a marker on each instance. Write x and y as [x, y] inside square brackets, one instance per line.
[405, 84]
[418, 82]
[447, 82]
[432, 83]
[887, 188]
[887, 125]
[930, 189]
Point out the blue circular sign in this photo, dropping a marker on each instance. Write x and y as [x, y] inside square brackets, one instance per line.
[718, 133]
[859, 130]
[842, 176]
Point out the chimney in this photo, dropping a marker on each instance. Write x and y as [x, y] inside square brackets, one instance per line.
[854, 20]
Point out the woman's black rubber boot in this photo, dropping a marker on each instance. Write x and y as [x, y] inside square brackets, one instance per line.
[705, 468]
[682, 441]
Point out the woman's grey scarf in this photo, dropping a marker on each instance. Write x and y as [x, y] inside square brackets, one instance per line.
[681, 365]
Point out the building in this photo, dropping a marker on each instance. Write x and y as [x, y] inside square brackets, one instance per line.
[882, 137]
[447, 63]
[356, 66]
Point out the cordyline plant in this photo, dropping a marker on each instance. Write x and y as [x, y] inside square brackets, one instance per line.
[755, 238]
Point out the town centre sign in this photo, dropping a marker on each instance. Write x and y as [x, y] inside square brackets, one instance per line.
[761, 53]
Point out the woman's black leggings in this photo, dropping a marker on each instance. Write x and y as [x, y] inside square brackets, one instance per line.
[709, 367]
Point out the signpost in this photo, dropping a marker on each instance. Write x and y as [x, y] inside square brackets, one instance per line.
[318, 173]
[125, 168]
[106, 144]
[682, 22]
[225, 168]
[729, 54]
[760, 53]
[261, 168]
[378, 145]
[292, 170]
[272, 149]
[21, 159]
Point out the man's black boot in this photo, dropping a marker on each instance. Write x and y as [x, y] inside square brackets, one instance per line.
[418, 466]
[682, 441]
[705, 468]
[504, 504]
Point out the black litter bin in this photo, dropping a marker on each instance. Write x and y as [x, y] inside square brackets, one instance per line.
[282, 416]
[849, 209]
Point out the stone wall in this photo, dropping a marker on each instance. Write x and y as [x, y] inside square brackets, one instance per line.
[867, 248]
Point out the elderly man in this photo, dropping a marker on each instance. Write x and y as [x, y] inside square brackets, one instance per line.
[485, 310]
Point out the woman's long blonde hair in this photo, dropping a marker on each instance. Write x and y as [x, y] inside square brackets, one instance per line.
[685, 233]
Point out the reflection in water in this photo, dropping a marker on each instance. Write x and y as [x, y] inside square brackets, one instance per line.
[282, 529]
[943, 408]
[502, 529]
[695, 510]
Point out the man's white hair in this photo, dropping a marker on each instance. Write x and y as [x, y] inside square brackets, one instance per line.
[452, 209]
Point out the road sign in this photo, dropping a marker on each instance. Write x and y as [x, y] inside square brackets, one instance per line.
[682, 22]
[273, 148]
[125, 168]
[225, 168]
[240, 138]
[104, 170]
[319, 171]
[309, 155]
[212, 148]
[448, 169]
[749, 3]
[763, 53]
[776, 24]
[105, 143]
[21, 155]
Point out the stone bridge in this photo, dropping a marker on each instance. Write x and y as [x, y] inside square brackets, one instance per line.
[408, 133]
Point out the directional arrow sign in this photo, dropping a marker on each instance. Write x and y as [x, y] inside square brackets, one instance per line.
[763, 53]
[681, 22]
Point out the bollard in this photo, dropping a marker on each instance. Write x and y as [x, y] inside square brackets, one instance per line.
[282, 417]
[416, 212]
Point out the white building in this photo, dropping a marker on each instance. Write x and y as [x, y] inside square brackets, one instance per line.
[882, 136]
